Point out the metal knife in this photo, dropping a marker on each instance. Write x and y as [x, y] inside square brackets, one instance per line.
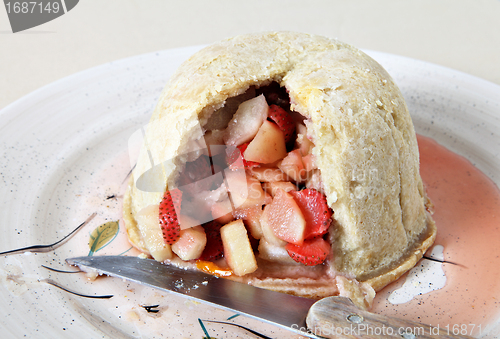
[332, 317]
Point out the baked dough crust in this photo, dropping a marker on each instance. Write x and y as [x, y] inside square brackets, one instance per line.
[365, 143]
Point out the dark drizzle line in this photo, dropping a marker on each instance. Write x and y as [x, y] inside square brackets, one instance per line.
[260, 335]
[129, 173]
[51, 247]
[53, 283]
[150, 308]
[442, 261]
[207, 336]
[60, 271]
[113, 196]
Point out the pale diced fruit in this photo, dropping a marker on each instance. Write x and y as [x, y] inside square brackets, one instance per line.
[191, 243]
[187, 222]
[201, 202]
[268, 145]
[256, 195]
[272, 187]
[268, 174]
[314, 180]
[246, 121]
[149, 226]
[285, 218]
[245, 191]
[267, 230]
[268, 198]
[309, 162]
[300, 128]
[222, 211]
[272, 252]
[221, 117]
[302, 142]
[292, 166]
[237, 249]
[251, 217]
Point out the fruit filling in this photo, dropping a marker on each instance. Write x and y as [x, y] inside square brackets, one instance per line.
[254, 198]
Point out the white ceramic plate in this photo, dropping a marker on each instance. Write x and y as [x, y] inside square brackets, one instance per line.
[65, 152]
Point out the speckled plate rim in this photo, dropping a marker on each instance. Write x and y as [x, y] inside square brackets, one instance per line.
[45, 134]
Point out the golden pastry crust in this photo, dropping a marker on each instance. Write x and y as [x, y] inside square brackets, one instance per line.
[365, 143]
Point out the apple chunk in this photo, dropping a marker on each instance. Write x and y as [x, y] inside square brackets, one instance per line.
[251, 218]
[237, 249]
[246, 121]
[222, 211]
[272, 187]
[245, 191]
[268, 145]
[303, 143]
[285, 218]
[293, 166]
[149, 226]
[191, 243]
[272, 252]
[268, 232]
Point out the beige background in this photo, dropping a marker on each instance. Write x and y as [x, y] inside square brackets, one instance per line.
[460, 34]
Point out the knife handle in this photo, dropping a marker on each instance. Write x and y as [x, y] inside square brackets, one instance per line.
[338, 317]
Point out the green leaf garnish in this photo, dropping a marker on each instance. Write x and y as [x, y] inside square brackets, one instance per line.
[102, 236]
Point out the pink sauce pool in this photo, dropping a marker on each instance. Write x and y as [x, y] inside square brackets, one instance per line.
[467, 215]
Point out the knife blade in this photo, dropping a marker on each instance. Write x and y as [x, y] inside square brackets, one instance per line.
[332, 317]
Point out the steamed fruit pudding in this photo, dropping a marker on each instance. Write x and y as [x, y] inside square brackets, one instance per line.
[269, 217]
[283, 160]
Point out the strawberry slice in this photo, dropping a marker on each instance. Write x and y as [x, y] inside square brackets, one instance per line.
[169, 220]
[311, 253]
[283, 120]
[315, 210]
[234, 155]
[213, 249]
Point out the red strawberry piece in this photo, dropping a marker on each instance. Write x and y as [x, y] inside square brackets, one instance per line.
[315, 210]
[213, 249]
[311, 253]
[283, 120]
[169, 220]
[234, 155]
